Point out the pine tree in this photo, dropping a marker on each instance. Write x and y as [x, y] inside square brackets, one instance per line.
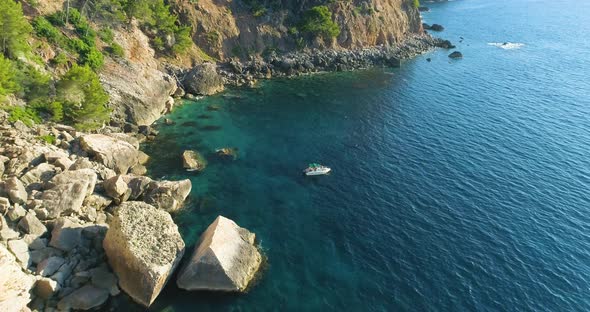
[8, 83]
[14, 29]
[84, 100]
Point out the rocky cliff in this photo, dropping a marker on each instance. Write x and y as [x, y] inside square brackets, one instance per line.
[227, 29]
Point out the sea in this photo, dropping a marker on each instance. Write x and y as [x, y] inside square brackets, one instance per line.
[456, 184]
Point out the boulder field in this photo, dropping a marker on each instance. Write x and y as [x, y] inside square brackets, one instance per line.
[77, 226]
[59, 201]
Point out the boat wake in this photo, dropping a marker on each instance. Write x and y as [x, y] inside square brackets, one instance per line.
[507, 45]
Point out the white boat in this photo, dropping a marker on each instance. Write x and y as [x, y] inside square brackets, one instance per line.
[316, 169]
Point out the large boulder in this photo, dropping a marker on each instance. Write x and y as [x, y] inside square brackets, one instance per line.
[167, 195]
[114, 153]
[225, 259]
[67, 191]
[203, 80]
[64, 199]
[143, 247]
[15, 285]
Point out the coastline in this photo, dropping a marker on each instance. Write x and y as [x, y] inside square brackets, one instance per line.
[238, 73]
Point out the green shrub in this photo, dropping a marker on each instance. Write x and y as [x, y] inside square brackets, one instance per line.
[106, 35]
[26, 115]
[51, 110]
[83, 97]
[34, 84]
[49, 139]
[8, 77]
[183, 40]
[416, 3]
[318, 22]
[115, 50]
[92, 57]
[43, 28]
[14, 29]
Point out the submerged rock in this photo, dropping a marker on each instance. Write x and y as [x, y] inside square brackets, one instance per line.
[437, 27]
[227, 152]
[225, 259]
[193, 161]
[456, 55]
[143, 247]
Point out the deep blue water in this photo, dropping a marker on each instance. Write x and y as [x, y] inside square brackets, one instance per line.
[456, 186]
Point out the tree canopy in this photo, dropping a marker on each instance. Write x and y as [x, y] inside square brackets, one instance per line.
[83, 97]
[14, 29]
[318, 21]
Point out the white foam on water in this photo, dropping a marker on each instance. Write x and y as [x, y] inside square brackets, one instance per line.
[507, 45]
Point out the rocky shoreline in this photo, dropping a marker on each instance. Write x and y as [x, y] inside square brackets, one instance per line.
[79, 223]
[209, 79]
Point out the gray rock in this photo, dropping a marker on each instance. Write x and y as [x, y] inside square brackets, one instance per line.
[43, 172]
[138, 170]
[225, 259]
[16, 213]
[49, 266]
[115, 187]
[137, 184]
[6, 233]
[167, 195]
[203, 80]
[15, 284]
[20, 250]
[114, 153]
[65, 199]
[30, 224]
[143, 247]
[46, 288]
[85, 298]
[102, 278]
[39, 255]
[4, 204]
[66, 235]
[87, 176]
[35, 242]
[63, 163]
[16, 190]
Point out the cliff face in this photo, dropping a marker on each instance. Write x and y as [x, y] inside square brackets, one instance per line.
[224, 28]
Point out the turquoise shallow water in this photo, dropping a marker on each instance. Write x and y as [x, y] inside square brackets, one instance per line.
[456, 185]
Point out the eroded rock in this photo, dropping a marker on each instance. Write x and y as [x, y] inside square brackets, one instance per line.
[225, 259]
[143, 247]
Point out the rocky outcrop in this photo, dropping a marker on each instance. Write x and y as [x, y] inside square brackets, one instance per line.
[193, 161]
[138, 89]
[114, 153]
[203, 80]
[15, 285]
[225, 259]
[143, 247]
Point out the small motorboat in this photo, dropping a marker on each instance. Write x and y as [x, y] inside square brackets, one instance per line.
[316, 169]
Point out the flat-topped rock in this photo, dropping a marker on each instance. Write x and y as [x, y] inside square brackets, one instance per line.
[143, 247]
[225, 259]
[114, 153]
